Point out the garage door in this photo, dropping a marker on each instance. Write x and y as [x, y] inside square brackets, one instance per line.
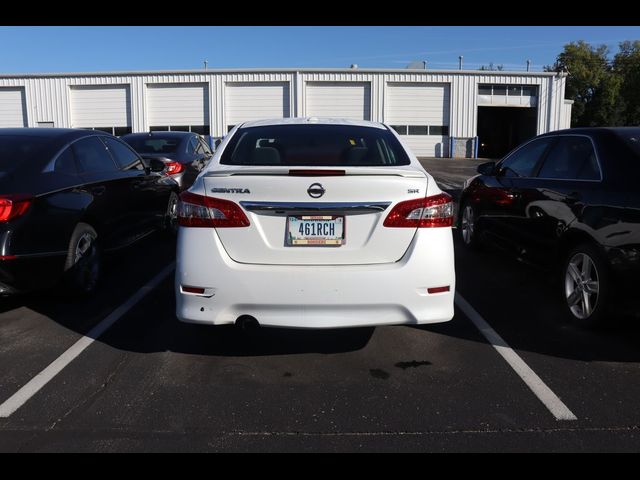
[12, 108]
[255, 101]
[339, 100]
[179, 107]
[420, 113]
[101, 107]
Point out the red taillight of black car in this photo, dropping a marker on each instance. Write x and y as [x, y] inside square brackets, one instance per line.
[173, 168]
[13, 206]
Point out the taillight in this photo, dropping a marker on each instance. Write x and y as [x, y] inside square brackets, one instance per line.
[12, 206]
[173, 167]
[435, 211]
[200, 211]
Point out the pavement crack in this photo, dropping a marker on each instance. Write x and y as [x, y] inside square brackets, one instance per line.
[88, 399]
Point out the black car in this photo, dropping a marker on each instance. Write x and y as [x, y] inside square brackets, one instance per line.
[568, 199]
[66, 196]
[184, 153]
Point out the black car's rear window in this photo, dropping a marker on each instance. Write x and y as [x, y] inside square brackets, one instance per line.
[153, 144]
[314, 145]
[16, 150]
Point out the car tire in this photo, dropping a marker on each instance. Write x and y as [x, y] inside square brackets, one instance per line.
[585, 286]
[468, 228]
[83, 265]
[170, 226]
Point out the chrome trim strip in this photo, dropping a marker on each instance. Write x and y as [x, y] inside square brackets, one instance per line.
[40, 255]
[351, 207]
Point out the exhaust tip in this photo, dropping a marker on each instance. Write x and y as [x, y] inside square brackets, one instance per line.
[247, 323]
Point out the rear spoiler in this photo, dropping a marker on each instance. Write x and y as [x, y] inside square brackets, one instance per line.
[228, 171]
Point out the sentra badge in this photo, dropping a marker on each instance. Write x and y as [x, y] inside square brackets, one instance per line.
[230, 190]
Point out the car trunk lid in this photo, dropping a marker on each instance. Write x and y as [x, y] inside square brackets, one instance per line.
[279, 200]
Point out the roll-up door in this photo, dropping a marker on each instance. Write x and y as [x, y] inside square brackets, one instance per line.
[12, 107]
[185, 106]
[420, 113]
[255, 101]
[101, 107]
[350, 100]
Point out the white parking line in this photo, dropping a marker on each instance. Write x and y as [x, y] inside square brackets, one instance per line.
[19, 398]
[528, 376]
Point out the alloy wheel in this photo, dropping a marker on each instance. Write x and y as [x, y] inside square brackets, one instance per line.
[581, 285]
[467, 224]
[86, 262]
[172, 213]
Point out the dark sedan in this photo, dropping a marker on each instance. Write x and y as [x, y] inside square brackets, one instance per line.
[66, 196]
[184, 153]
[567, 199]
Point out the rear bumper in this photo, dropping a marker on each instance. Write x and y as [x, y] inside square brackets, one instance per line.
[179, 179]
[315, 296]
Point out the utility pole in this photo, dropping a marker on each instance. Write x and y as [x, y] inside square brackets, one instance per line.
[205, 64]
[460, 62]
[528, 65]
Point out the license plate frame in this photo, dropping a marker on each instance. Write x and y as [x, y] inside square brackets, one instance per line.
[295, 240]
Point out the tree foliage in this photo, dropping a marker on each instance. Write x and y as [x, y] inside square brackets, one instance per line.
[492, 67]
[626, 64]
[605, 93]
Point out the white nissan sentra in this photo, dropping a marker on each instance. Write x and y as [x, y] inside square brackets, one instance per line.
[314, 223]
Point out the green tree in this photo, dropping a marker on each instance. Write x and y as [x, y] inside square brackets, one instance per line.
[492, 67]
[626, 65]
[607, 106]
[588, 72]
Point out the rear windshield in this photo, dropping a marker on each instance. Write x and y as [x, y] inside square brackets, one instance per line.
[314, 145]
[21, 149]
[153, 144]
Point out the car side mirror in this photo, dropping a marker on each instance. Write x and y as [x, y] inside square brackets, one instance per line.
[488, 168]
[217, 143]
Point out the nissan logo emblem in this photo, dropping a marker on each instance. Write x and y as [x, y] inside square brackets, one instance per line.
[315, 190]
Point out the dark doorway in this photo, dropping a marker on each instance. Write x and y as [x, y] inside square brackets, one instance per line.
[501, 129]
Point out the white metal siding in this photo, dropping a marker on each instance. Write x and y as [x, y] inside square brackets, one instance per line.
[339, 100]
[12, 108]
[255, 101]
[50, 97]
[178, 104]
[565, 121]
[420, 104]
[100, 106]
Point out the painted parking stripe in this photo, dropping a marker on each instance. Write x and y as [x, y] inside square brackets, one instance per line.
[41, 379]
[557, 408]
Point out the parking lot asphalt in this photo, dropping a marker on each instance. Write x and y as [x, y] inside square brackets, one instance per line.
[150, 383]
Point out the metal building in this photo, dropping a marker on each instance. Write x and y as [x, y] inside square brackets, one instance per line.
[459, 113]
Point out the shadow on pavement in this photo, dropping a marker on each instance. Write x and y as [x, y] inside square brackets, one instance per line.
[151, 325]
[519, 302]
[524, 304]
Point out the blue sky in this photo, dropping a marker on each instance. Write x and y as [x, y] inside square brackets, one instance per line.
[32, 49]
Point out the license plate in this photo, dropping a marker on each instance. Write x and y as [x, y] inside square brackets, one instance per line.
[315, 230]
